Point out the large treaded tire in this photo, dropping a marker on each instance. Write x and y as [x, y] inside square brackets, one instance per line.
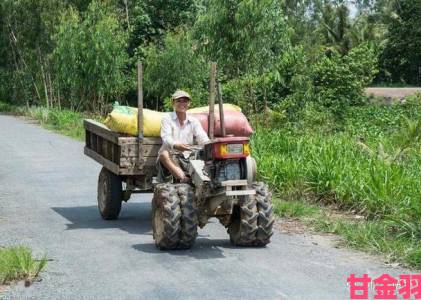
[188, 221]
[110, 193]
[166, 215]
[265, 209]
[243, 226]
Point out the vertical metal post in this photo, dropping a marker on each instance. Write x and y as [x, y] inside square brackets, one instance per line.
[221, 110]
[140, 100]
[212, 84]
[140, 112]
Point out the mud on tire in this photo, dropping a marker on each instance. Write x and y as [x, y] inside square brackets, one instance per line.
[243, 226]
[265, 210]
[252, 220]
[188, 221]
[174, 217]
[166, 215]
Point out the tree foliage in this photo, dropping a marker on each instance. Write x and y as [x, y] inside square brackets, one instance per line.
[401, 58]
[90, 57]
[242, 36]
[25, 41]
[271, 54]
[338, 81]
[183, 68]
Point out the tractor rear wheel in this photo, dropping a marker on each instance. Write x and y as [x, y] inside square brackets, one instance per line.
[110, 194]
[188, 221]
[265, 209]
[166, 215]
[243, 226]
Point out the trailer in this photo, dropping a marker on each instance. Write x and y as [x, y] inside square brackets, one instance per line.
[128, 162]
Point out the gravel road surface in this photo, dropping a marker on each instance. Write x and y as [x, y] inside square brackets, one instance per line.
[48, 202]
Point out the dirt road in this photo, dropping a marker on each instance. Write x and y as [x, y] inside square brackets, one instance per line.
[48, 202]
[395, 93]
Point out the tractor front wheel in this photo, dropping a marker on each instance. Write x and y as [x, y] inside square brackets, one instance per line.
[166, 216]
[174, 216]
[265, 209]
[252, 219]
[188, 221]
[243, 226]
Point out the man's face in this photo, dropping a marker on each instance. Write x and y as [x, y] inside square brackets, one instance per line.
[181, 104]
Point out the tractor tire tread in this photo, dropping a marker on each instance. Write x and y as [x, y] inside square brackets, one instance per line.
[166, 199]
[266, 218]
[188, 221]
[245, 234]
[110, 194]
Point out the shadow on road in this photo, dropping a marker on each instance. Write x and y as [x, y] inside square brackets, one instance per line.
[204, 248]
[134, 218]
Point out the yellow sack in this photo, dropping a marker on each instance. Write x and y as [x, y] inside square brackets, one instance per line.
[123, 119]
[205, 109]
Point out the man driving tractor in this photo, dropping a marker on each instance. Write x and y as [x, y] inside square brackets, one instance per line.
[216, 180]
[178, 130]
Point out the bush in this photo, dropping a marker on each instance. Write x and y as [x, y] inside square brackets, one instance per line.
[413, 100]
[338, 81]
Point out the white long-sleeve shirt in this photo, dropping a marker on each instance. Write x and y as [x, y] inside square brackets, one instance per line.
[172, 133]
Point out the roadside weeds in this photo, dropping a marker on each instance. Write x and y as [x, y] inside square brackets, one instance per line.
[17, 263]
[354, 231]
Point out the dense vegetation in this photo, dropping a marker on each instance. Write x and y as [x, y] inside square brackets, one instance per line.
[277, 54]
[298, 68]
[371, 167]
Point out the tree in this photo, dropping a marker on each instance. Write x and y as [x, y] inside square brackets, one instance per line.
[26, 29]
[335, 27]
[176, 65]
[401, 58]
[90, 57]
[149, 21]
[242, 36]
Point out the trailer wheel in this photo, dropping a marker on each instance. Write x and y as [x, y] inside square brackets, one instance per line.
[265, 209]
[110, 194]
[188, 221]
[166, 214]
[243, 226]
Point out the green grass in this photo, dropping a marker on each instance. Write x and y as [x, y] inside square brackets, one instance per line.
[375, 237]
[7, 108]
[368, 165]
[63, 121]
[294, 209]
[17, 263]
[372, 236]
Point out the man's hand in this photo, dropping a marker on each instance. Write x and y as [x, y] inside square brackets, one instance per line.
[182, 147]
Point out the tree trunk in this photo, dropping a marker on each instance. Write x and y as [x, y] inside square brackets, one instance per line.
[15, 42]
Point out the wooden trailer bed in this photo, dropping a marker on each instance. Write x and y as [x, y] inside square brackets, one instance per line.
[119, 153]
